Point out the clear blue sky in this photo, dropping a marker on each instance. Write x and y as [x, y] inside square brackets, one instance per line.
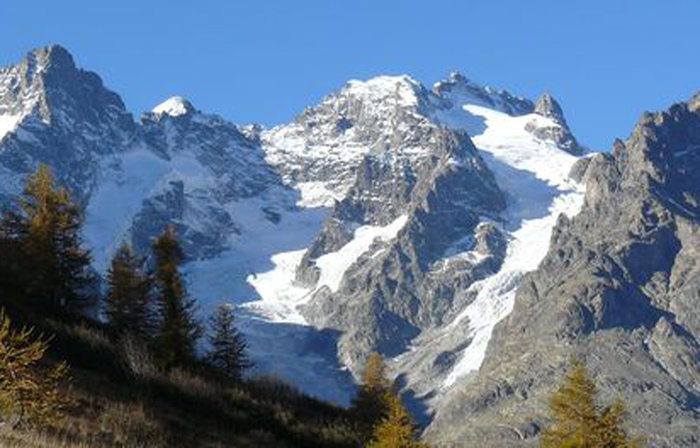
[264, 61]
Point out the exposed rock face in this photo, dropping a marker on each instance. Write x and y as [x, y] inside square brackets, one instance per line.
[214, 163]
[559, 133]
[68, 120]
[391, 293]
[457, 90]
[402, 165]
[619, 288]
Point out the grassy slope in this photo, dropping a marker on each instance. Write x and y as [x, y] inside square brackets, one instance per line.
[181, 409]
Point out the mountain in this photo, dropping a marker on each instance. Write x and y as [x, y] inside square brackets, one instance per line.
[619, 287]
[459, 230]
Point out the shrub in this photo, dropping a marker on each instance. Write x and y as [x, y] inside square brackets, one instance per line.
[130, 425]
[137, 359]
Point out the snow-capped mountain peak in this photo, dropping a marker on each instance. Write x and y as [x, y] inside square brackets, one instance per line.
[174, 106]
[399, 90]
[458, 89]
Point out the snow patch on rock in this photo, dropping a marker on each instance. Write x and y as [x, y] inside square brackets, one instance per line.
[174, 106]
[334, 264]
[8, 123]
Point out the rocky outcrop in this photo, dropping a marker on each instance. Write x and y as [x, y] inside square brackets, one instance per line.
[558, 130]
[458, 90]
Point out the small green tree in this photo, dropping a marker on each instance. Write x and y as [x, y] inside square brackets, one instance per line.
[29, 392]
[372, 404]
[54, 269]
[178, 330]
[397, 429]
[577, 421]
[128, 300]
[228, 346]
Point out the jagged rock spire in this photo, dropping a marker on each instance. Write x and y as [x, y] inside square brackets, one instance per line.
[55, 56]
[547, 106]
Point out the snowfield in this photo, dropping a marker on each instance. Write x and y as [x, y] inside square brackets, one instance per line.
[535, 176]
[8, 123]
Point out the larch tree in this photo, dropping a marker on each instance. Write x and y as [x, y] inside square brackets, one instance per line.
[30, 391]
[373, 396]
[397, 429]
[128, 302]
[178, 330]
[228, 347]
[55, 269]
[577, 421]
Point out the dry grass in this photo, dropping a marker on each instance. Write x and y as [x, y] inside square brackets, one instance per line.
[124, 403]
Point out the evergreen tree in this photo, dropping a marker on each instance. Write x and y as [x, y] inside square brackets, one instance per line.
[128, 299]
[396, 429]
[228, 346]
[372, 402]
[577, 421]
[11, 286]
[29, 390]
[178, 330]
[54, 269]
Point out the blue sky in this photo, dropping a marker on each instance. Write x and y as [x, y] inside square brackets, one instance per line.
[264, 61]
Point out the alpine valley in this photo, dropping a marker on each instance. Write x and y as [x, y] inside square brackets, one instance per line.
[459, 230]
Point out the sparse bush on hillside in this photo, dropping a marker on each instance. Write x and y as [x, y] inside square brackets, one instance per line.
[137, 358]
[129, 424]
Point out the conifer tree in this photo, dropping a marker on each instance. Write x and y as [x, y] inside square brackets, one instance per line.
[228, 346]
[54, 268]
[29, 391]
[372, 402]
[577, 420]
[11, 286]
[128, 300]
[178, 329]
[397, 429]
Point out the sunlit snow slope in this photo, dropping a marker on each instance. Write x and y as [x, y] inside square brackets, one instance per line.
[534, 174]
